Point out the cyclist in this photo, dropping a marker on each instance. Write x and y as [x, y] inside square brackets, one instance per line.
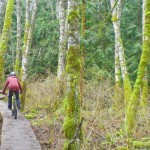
[14, 87]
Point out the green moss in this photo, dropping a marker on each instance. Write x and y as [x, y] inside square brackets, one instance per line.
[134, 101]
[34, 111]
[30, 116]
[127, 90]
[5, 35]
[73, 60]
[114, 18]
[23, 95]
[144, 94]
[122, 148]
[69, 147]
[69, 127]
[17, 66]
[118, 96]
[143, 145]
[27, 26]
[73, 16]
[72, 101]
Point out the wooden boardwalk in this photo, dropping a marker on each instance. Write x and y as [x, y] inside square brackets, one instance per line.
[17, 134]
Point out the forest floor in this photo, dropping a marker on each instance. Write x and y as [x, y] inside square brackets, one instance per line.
[102, 131]
[103, 126]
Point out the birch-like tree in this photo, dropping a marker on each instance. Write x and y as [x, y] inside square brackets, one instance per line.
[18, 48]
[58, 11]
[1, 6]
[27, 43]
[72, 100]
[62, 40]
[120, 62]
[5, 35]
[145, 58]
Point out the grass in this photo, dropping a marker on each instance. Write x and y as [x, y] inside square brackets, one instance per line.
[103, 127]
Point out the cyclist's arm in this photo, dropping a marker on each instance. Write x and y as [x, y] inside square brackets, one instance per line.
[20, 87]
[4, 89]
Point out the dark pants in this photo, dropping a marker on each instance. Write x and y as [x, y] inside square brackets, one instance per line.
[10, 99]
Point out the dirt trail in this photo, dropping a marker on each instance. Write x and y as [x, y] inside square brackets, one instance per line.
[16, 134]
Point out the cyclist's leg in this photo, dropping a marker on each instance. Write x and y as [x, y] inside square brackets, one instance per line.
[17, 99]
[10, 99]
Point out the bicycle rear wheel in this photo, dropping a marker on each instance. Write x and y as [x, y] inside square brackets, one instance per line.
[12, 111]
[15, 114]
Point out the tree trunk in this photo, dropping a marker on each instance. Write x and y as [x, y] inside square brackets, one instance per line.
[72, 100]
[144, 89]
[2, 8]
[27, 43]
[58, 9]
[119, 51]
[18, 48]
[82, 49]
[52, 11]
[145, 58]
[5, 35]
[62, 41]
[2, 2]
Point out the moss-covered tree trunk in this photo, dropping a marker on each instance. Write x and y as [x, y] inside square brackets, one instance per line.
[2, 8]
[26, 32]
[5, 35]
[2, 2]
[144, 88]
[144, 93]
[72, 100]
[145, 58]
[26, 48]
[120, 62]
[83, 7]
[62, 41]
[18, 48]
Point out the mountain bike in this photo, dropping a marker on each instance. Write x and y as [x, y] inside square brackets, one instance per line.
[14, 107]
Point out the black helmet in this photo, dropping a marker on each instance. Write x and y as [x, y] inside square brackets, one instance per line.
[12, 74]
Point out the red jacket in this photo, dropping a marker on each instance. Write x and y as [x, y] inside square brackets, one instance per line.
[13, 84]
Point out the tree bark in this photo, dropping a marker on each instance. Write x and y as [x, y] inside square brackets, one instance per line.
[5, 35]
[83, 27]
[144, 88]
[62, 41]
[145, 58]
[18, 47]
[2, 8]
[119, 51]
[72, 100]
[27, 44]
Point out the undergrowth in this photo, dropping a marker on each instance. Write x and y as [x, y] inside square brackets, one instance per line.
[103, 126]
